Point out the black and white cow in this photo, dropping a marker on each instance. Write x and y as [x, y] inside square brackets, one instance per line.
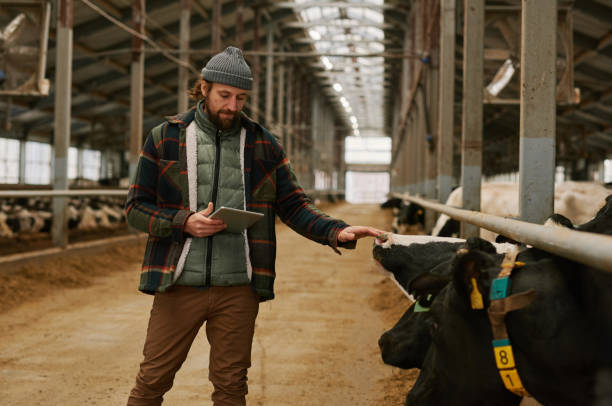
[405, 214]
[578, 201]
[25, 216]
[561, 341]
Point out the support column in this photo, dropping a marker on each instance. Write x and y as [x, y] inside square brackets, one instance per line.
[314, 159]
[471, 140]
[419, 13]
[431, 124]
[183, 72]
[80, 162]
[295, 132]
[22, 159]
[136, 85]
[61, 131]
[289, 134]
[538, 110]
[215, 33]
[239, 23]
[396, 172]
[270, 76]
[421, 112]
[413, 161]
[256, 65]
[447, 99]
[280, 103]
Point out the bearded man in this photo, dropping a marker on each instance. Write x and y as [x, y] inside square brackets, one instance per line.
[211, 156]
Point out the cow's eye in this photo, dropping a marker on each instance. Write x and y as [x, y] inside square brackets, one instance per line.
[426, 300]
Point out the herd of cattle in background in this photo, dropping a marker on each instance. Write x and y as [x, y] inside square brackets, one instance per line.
[32, 216]
[561, 338]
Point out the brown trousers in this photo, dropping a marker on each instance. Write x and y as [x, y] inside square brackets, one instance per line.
[176, 318]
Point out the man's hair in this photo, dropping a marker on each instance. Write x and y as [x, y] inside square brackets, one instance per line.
[195, 92]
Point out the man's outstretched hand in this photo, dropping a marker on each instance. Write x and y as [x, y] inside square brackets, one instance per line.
[352, 233]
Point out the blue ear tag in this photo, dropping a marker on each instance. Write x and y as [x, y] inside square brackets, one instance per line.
[500, 288]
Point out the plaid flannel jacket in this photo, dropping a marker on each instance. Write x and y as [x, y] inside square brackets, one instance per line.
[158, 203]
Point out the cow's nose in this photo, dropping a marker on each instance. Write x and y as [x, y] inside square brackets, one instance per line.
[382, 238]
[385, 341]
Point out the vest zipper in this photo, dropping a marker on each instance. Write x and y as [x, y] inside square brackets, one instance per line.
[214, 201]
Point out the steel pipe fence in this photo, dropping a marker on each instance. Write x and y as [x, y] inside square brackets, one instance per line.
[588, 248]
[62, 193]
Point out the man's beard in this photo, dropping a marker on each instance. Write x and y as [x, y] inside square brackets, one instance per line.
[221, 123]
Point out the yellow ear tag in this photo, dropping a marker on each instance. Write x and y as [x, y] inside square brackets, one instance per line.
[519, 264]
[476, 296]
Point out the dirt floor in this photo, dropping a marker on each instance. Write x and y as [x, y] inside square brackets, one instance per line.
[72, 330]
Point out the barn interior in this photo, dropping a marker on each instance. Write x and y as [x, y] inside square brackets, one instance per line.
[369, 99]
[324, 72]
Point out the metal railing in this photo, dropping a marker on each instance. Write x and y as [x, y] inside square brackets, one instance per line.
[59, 193]
[588, 248]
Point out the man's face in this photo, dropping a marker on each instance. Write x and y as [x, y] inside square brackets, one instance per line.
[224, 103]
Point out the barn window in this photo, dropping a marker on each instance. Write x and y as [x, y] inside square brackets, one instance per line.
[607, 171]
[92, 161]
[367, 187]
[73, 163]
[38, 163]
[367, 150]
[9, 161]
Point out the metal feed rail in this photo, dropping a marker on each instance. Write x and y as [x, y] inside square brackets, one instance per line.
[115, 192]
[57, 193]
[587, 248]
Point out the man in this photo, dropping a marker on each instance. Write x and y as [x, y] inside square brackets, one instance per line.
[213, 156]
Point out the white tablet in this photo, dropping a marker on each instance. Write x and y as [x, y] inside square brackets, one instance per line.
[236, 220]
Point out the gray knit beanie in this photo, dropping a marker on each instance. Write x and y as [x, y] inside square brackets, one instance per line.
[229, 68]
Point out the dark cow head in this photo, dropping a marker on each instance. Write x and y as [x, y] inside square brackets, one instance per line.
[407, 342]
[407, 256]
[459, 368]
[408, 214]
[411, 214]
[393, 203]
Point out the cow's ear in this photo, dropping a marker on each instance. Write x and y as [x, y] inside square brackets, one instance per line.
[426, 284]
[470, 277]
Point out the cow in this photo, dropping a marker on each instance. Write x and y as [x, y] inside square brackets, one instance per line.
[406, 257]
[392, 203]
[406, 343]
[5, 230]
[578, 201]
[24, 216]
[405, 214]
[561, 340]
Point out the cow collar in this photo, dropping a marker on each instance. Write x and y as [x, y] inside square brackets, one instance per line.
[500, 305]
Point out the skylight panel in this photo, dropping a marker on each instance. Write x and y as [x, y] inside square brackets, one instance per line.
[330, 13]
[314, 34]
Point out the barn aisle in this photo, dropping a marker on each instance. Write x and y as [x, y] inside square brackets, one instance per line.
[315, 344]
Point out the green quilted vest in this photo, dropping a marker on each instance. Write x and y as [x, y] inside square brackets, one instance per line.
[219, 260]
